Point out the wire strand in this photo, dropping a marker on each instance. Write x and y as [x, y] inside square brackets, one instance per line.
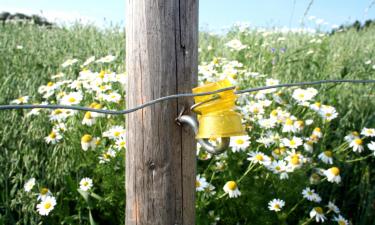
[152, 102]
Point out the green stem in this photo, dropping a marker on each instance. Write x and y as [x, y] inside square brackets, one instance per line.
[359, 159]
[307, 222]
[249, 168]
[295, 207]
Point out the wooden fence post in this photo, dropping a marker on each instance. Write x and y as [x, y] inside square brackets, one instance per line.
[161, 59]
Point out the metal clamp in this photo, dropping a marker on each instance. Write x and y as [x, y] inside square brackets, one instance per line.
[206, 145]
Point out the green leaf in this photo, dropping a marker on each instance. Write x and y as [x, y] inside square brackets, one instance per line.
[92, 221]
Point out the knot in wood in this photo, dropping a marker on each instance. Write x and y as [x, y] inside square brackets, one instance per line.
[151, 165]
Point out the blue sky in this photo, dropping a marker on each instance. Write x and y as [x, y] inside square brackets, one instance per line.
[214, 14]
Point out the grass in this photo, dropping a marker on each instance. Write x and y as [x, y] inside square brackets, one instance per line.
[24, 153]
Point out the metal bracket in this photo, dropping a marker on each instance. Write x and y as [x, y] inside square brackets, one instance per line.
[206, 145]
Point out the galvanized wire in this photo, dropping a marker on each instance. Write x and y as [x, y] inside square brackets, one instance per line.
[122, 112]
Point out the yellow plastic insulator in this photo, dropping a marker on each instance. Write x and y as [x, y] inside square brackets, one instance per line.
[217, 117]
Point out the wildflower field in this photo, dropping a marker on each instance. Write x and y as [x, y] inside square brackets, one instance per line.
[307, 159]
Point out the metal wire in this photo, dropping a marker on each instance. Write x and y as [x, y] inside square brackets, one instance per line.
[122, 112]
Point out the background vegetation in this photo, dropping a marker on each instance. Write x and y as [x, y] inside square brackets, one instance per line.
[24, 153]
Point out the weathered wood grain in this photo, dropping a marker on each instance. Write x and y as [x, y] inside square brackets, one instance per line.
[162, 59]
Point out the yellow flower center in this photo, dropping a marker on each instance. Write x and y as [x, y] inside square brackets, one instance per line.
[259, 157]
[278, 168]
[50, 84]
[232, 185]
[117, 133]
[52, 135]
[277, 206]
[277, 151]
[106, 156]
[328, 154]
[319, 210]
[355, 133]
[317, 104]
[85, 183]
[86, 138]
[47, 205]
[292, 142]
[341, 222]
[288, 122]
[317, 129]
[43, 191]
[335, 171]
[122, 143]
[301, 95]
[21, 99]
[240, 141]
[197, 183]
[358, 141]
[101, 74]
[215, 61]
[57, 111]
[274, 113]
[328, 114]
[88, 115]
[295, 160]
[300, 123]
[71, 99]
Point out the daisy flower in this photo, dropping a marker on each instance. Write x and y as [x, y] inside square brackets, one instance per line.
[332, 207]
[106, 156]
[88, 61]
[371, 146]
[121, 143]
[316, 106]
[88, 119]
[21, 100]
[235, 45]
[87, 141]
[357, 145]
[106, 59]
[46, 206]
[310, 195]
[308, 146]
[318, 213]
[304, 95]
[293, 143]
[72, 98]
[239, 143]
[200, 183]
[288, 126]
[29, 185]
[299, 125]
[85, 184]
[328, 113]
[69, 62]
[278, 166]
[44, 193]
[326, 157]
[368, 132]
[333, 174]
[114, 132]
[340, 220]
[231, 189]
[112, 97]
[350, 137]
[53, 137]
[259, 157]
[276, 205]
[317, 132]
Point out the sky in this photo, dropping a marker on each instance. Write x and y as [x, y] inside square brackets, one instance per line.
[214, 15]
